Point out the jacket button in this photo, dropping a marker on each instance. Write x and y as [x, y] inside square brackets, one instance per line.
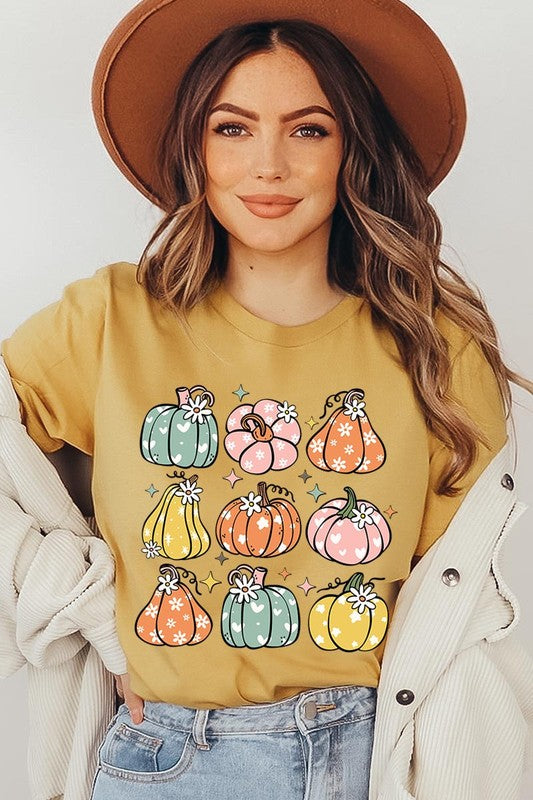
[450, 577]
[507, 481]
[405, 697]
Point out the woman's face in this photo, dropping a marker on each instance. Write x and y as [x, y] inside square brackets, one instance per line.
[269, 155]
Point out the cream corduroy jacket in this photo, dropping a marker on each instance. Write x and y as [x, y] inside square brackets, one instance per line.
[454, 717]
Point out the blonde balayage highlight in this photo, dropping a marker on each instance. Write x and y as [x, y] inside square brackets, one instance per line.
[385, 237]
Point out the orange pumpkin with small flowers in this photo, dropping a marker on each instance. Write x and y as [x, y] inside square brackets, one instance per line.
[173, 616]
[347, 441]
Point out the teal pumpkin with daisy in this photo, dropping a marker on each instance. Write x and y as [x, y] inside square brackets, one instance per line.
[183, 434]
[258, 615]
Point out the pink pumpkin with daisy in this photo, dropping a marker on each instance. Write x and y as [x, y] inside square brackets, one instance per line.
[263, 436]
[348, 530]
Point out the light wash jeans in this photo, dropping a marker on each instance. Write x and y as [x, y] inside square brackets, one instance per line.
[316, 745]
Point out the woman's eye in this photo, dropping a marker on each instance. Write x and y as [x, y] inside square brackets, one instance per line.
[223, 127]
[316, 128]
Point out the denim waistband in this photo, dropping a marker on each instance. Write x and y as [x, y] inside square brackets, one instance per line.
[309, 710]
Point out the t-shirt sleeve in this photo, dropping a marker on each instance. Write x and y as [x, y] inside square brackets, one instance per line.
[53, 359]
[475, 386]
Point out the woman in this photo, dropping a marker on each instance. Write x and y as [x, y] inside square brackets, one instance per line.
[316, 339]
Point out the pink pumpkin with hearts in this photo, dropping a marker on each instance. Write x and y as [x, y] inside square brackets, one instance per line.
[348, 530]
[263, 436]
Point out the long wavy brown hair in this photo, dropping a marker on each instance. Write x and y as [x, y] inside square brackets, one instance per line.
[385, 236]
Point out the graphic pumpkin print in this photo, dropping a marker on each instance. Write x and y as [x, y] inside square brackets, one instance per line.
[263, 436]
[258, 526]
[347, 442]
[255, 614]
[185, 434]
[355, 619]
[173, 616]
[348, 530]
[174, 528]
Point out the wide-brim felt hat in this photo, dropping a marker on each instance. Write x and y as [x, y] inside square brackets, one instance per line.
[143, 59]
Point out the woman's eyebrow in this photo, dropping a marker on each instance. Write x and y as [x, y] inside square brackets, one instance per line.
[300, 112]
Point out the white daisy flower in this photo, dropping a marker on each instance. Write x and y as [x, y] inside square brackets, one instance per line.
[354, 410]
[152, 549]
[245, 589]
[251, 503]
[168, 584]
[286, 411]
[363, 598]
[363, 515]
[189, 492]
[196, 410]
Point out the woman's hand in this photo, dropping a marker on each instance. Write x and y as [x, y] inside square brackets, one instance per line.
[133, 701]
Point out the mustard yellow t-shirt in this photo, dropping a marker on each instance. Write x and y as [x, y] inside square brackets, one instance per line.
[263, 488]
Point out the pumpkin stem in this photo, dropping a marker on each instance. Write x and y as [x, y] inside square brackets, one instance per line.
[351, 503]
[262, 489]
[261, 424]
[259, 574]
[238, 572]
[359, 393]
[262, 432]
[164, 568]
[183, 395]
[354, 582]
[205, 394]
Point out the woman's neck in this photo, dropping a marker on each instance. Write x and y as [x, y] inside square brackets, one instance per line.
[288, 288]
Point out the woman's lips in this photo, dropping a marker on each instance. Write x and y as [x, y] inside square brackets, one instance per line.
[270, 210]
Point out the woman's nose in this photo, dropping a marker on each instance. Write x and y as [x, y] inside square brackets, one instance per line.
[269, 160]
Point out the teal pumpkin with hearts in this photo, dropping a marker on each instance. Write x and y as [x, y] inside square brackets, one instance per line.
[183, 434]
[255, 615]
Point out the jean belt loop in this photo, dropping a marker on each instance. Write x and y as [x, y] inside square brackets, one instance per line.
[198, 728]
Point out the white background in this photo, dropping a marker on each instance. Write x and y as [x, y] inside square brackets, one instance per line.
[66, 210]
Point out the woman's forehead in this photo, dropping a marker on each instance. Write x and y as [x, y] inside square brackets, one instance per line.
[281, 75]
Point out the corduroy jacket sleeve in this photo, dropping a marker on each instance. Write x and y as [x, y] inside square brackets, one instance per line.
[56, 576]
[454, 716]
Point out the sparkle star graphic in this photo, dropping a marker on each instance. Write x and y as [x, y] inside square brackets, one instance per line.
[306, 586]
[240, 392]
[316, 492]
[232, 478]
[221, 558]
[210, 581]
[284, 574]
[151, 490]
[311, 422]
[390, 511]
[304, 475]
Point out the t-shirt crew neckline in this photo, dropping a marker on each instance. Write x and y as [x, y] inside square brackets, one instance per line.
[263, 330]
